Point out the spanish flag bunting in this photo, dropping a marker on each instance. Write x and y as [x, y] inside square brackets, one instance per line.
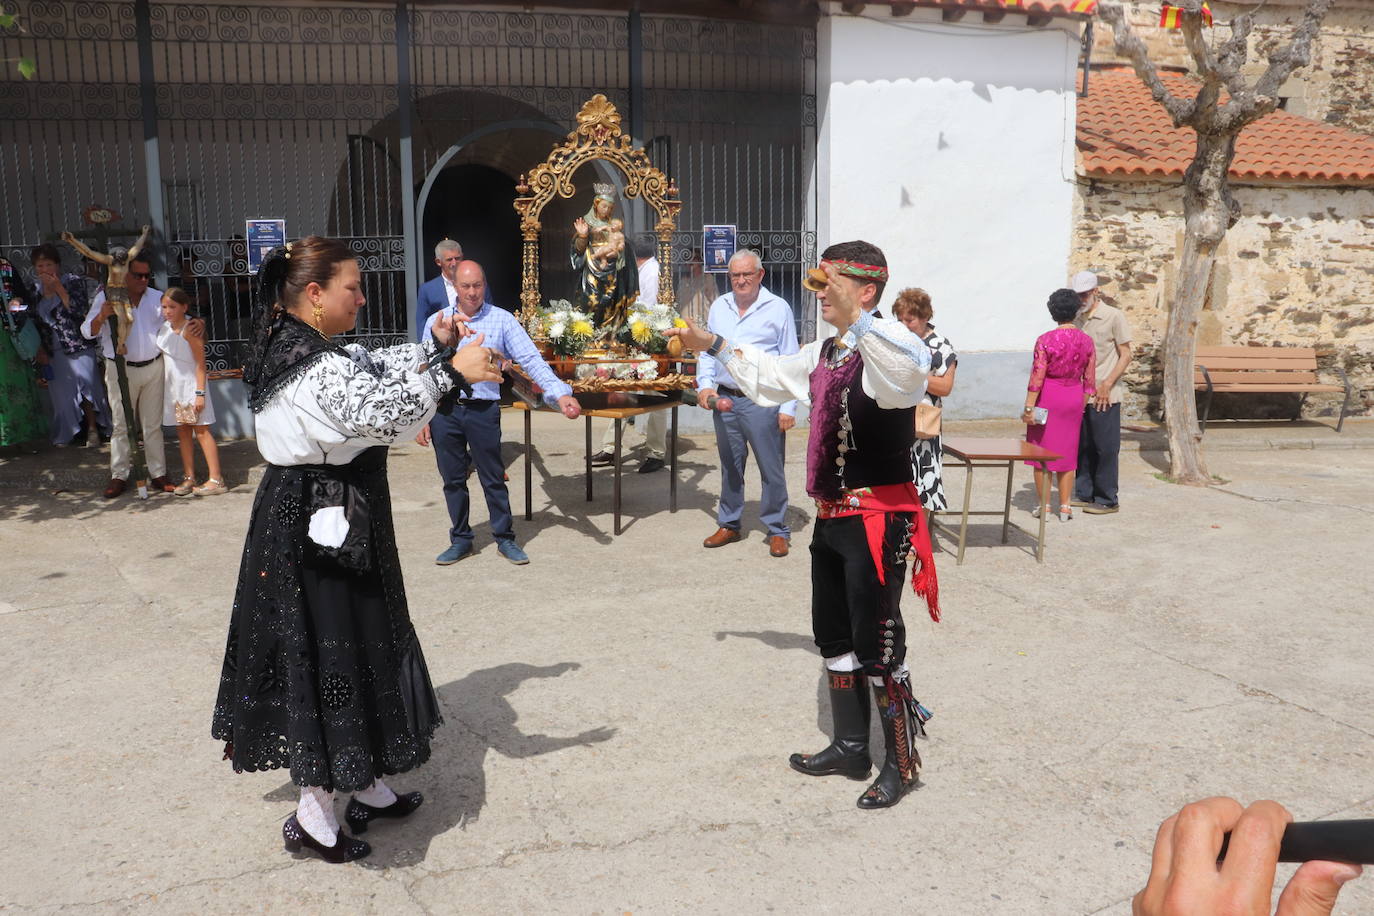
[1171, 17]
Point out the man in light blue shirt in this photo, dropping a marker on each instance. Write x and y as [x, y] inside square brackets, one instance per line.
[466, 431]
[749, 314]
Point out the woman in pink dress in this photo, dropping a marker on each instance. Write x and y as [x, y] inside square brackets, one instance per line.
[1062, 381]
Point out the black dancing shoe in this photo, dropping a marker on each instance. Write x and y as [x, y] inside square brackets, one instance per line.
[847, 755]
[358, 814]
[345, 848]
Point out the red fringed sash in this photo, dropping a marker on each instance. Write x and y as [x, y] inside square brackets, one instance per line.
[873, 503]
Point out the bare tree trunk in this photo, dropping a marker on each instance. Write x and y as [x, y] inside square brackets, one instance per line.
[1208, 211]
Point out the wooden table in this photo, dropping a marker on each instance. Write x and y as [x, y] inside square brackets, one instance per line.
[992, 453]
[626, 405]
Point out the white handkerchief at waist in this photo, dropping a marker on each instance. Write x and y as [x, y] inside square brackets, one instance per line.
[328, 526]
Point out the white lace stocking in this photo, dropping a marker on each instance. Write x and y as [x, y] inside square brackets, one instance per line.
[316, 814]
[377, 795]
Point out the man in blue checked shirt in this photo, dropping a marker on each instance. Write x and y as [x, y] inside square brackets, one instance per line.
[467, 431]
[749, 314]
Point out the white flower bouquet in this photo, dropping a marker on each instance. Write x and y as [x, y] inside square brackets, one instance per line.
[567, 329]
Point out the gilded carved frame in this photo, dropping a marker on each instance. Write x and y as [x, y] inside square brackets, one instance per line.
[597, 136]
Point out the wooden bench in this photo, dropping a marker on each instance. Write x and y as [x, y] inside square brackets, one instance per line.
[1263, 370]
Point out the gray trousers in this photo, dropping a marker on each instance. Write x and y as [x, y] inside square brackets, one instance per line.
[751, 427]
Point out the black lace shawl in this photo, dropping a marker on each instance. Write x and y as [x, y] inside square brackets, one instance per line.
[293, 347]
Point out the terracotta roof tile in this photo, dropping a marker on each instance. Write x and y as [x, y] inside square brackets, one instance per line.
[1124, 133]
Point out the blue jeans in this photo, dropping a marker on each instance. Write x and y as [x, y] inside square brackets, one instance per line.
[466, 434]
[748, 426]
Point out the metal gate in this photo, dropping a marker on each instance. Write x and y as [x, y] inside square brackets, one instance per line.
[290, 111]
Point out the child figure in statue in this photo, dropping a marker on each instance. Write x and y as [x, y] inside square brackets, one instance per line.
[609, 243]
[117, 272]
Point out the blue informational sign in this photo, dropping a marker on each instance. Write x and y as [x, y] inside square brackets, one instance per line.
[263, 236]
[717, 248]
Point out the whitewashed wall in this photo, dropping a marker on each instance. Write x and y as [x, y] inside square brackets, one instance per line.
[950, 146]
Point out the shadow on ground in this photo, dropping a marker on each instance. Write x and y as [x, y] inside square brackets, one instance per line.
[478, 719]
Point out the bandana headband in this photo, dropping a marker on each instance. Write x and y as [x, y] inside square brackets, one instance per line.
[862, 271]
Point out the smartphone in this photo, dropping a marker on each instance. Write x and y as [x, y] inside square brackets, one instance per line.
[1040, 415]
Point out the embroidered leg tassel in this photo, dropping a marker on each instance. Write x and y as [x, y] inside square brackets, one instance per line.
[902, 762]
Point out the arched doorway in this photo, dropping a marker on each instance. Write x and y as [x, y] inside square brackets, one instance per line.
[472, 203]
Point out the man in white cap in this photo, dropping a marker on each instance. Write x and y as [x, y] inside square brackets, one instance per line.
[1099, 441]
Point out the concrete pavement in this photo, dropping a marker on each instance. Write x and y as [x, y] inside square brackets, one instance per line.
[619, 712]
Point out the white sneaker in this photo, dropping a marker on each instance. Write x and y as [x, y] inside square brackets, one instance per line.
[1039, 510]
[1065, 513]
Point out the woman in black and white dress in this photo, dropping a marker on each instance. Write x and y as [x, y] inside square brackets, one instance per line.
[913, 309]
[323, 673]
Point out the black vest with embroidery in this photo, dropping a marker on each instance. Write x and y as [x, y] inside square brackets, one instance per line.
[854, 443]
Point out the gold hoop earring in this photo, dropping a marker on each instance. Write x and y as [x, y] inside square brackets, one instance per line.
[318, 311]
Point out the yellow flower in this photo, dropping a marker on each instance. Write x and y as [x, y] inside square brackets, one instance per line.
[679, 323]
[581, 328]
[640, 332]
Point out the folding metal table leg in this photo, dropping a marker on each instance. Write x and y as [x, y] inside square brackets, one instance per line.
[1006, 508]
[1040, 543]
[963, 521]
[587, 458]
[672, 463]
[615, 500]
[529, 478]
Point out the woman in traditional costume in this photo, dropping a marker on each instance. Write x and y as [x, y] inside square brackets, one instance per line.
[323, 673]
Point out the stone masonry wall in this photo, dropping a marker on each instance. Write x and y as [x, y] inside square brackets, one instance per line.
[1337, 88]
[1296, 270]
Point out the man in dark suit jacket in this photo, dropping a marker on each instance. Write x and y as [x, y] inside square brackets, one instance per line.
[440, 292]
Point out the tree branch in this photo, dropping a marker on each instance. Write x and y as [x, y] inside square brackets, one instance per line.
[1129, 46]
[1297, 54]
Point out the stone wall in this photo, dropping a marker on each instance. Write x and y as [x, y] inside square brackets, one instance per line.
[1338, 87]
[1296, 270]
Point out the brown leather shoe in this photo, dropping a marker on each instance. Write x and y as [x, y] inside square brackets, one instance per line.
[161, 485]
[777, 546]
[115, 487]
[722, 537]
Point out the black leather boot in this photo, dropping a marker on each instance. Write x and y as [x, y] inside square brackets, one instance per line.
[898, 772]
[847, 755]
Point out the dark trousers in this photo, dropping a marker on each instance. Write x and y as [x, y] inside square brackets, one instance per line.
[465, 434]
[850, 610]
[1099, 455]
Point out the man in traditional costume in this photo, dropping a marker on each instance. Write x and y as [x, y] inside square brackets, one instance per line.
[863, 385]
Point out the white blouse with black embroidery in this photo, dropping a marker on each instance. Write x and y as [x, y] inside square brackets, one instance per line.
[343, 405]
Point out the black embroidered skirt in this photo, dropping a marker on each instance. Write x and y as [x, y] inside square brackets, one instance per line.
[323, 672]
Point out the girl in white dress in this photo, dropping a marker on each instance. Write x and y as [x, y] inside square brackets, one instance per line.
[187, 400]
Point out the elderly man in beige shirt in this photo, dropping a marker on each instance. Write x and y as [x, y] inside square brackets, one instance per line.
[1099, 441]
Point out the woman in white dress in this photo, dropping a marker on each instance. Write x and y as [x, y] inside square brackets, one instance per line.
[186, 398]
[323, 673]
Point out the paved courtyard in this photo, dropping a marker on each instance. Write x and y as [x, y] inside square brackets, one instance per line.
[620, 711]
